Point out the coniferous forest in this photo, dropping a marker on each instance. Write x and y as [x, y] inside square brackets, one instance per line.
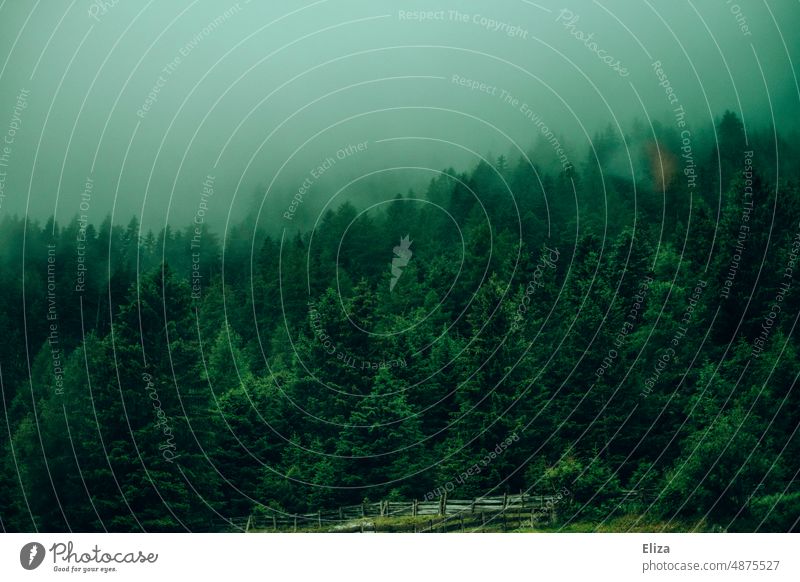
[517, 326]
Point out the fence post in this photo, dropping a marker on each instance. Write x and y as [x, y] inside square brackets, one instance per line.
[341, 515]
[247, 527]
[443, 506]
[362, 509]
[414, 509]
[295, 523]
[319, 517]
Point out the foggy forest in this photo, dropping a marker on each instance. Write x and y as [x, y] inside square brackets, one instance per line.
[268, 263]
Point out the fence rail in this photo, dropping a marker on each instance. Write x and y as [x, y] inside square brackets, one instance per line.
[442, 514]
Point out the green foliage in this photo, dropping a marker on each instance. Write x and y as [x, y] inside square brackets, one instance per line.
[310, 375]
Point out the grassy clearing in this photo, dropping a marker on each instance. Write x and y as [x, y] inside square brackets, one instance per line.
[630, 523]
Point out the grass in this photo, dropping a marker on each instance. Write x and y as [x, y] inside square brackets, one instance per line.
[629, 523]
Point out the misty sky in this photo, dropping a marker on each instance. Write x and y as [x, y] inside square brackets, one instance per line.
[260, 94]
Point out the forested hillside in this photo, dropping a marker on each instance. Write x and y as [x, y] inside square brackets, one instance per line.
[516, 327]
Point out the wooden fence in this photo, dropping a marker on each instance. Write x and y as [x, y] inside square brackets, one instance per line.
[441, 514]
